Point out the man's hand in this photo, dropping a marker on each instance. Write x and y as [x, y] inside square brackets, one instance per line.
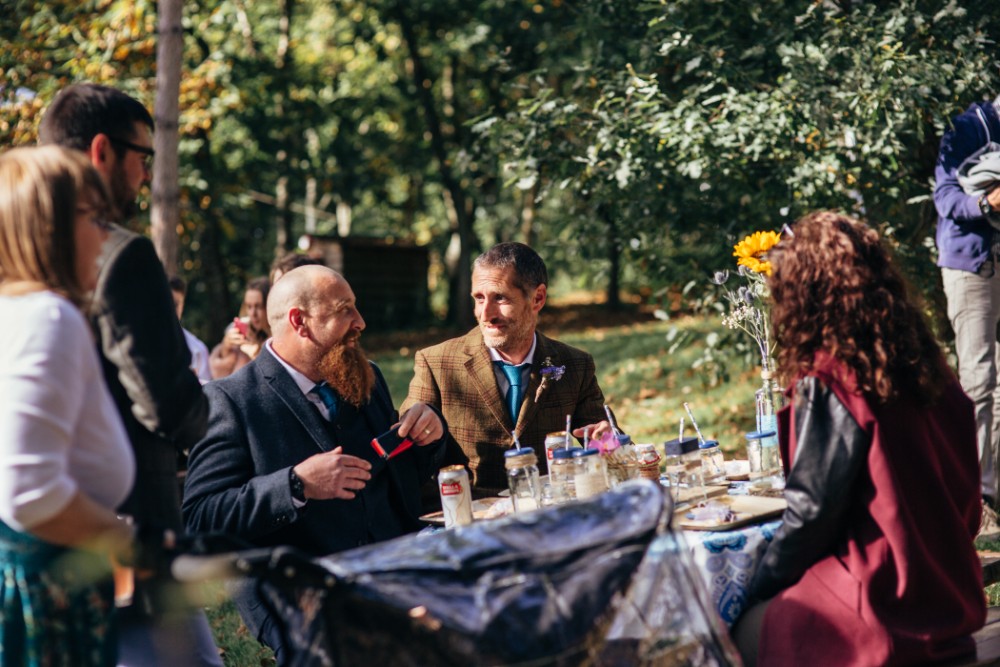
[596, 430]
[421, 424]
[333, 475]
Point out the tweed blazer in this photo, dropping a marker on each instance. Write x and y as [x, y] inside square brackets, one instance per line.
[457, 377]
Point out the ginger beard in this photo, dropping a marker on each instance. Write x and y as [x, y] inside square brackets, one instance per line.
[346, 369]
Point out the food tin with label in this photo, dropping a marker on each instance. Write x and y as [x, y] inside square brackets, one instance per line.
[456, 496]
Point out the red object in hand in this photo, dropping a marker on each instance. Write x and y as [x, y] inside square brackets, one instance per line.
[390, 444]
[241, 326]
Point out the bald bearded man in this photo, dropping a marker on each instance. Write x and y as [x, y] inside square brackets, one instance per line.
[287, 458]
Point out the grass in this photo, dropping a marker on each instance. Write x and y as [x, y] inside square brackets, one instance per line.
[238, 647]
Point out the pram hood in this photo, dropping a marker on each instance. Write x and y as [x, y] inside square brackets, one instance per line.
[532, 589]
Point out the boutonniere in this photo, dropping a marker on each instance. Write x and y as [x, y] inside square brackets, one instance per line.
[550, 374]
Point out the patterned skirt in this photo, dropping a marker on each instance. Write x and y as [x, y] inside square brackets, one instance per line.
[56, 605]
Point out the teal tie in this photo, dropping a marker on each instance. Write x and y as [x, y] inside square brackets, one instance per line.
[329, 398]
[516, 392]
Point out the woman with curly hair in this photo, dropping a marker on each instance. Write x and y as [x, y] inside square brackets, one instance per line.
[874, 562]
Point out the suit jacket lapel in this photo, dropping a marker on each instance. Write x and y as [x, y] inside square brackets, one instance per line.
[289, 393]
[480, 369]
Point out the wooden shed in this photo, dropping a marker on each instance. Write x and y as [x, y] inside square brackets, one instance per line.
[389, 278]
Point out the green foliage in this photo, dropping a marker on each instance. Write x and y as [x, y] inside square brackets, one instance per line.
[740, 116]
[648, 132]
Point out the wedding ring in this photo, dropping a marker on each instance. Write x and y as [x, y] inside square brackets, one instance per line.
[427, 431]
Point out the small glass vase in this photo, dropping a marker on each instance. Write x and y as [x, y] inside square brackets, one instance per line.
[769, 399]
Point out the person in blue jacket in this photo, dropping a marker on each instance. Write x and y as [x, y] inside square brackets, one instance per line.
[968, 243]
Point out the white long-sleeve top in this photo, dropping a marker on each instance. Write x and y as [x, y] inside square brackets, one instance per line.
[59, 429]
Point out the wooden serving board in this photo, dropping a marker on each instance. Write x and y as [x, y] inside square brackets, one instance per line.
[695, 495]
[748, 510]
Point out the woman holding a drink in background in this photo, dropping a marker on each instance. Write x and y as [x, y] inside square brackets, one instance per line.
[245, 337]
[65, 461]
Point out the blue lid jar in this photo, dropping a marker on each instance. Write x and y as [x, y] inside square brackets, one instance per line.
[580, 453]
[522, 451]
[563, 453]
[760, 435]
[708, 444]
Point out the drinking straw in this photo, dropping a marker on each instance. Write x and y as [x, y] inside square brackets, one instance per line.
[568, 426]
[697, 430]
[517, 443]
[611, 420]
[586, 437]
[680, 434]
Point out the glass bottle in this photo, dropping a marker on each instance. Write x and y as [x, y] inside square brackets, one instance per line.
[591, 476]
[522, 478]
[562, 474]
[769, 399]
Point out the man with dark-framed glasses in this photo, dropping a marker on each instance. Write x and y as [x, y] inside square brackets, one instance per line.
[145, 360]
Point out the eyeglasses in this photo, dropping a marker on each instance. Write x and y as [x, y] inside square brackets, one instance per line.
[145, 150]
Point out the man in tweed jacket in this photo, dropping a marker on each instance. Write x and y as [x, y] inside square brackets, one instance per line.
[464, 377]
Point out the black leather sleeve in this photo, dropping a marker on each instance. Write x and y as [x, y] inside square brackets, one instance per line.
[831, 452]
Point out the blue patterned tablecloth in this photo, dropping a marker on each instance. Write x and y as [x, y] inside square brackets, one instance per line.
[727, 561]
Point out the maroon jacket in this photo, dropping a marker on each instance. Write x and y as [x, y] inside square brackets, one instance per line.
[874, 563]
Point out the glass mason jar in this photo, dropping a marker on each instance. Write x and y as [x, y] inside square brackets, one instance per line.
[522, 479]
[555, 441]
[562, 474]
[591, 477]
[683, 462]
[713, 467]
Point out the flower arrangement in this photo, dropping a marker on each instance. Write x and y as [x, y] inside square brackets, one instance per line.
[750, 311]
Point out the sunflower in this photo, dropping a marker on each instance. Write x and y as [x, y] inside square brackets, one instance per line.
[752, 250]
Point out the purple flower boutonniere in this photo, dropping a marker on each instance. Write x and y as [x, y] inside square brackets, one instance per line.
[550, 374]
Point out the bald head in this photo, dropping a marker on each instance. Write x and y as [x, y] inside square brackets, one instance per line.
[302, 288]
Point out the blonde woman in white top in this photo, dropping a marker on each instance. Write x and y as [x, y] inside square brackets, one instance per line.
[65, 461]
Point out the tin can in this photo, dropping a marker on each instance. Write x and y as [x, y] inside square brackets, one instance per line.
[554, 441]
[456, 496]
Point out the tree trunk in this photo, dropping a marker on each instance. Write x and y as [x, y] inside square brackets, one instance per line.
[528, 214]
[614, 302]
[283, 156]
[213, 262]
[456, 201]
[165, 214]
